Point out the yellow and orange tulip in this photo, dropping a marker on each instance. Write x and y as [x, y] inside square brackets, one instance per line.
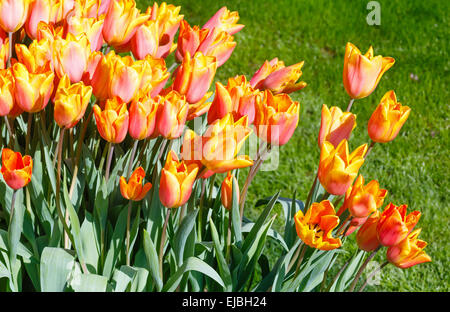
[366, 238]
[226, 193]
[112, 121]
[224, 20]
[6, 91]
[16, 170]
[134, 189]
[315, 227]
[338, 168]
[408, 252]
[36, 56]
[363, 72]
[387, 119]
[171, 115]
[335, 125]
[4, 49]
[177, 178]
[142, 117]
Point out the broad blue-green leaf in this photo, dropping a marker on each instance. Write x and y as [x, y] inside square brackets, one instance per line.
[235, 214]
[56, 264]
[90, 244]
[152, 260]
[223, 266]
[116, 244]
[182, 234]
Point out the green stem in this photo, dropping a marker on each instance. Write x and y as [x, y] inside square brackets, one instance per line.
[161, 246]
[372, 274]
[339, 274]
[108, 162]
[311, 191]
[133, 152]
[361, 269]
[128, 231]
[27, 138]
[11, 134]
[349, 107]
[200, 211]
[372, 143]
[11, 211]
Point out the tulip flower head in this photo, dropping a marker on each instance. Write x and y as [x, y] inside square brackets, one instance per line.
[176, 182]
[226, 195]
[276, 118]
[394, 225]
[278, 78]
[112, 121]
[387, 119]
[171, 115]
[135, 190]
[70, 102]
[335, 125]
[6, 91]
[315, 227]
[408, 252]
[366, 238]
[16, 170]
[142, 117]
[36, 56]
[224, 20]
[363, 72]
[4, 49]
[338, 168]
[13, 14]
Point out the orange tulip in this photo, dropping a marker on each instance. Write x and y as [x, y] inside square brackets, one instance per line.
[16, 170]
[363, 72]
[315, 227]
[276, 118]
[125, 77]
[60, 10]
[335, 125]
[142, 117]
[32, 91]
[366, 238]
[361, 200]
[176, 182]
[112, 122]
[158, 76]
[171, 115]
[4, 49]
[6, 91]
[278, 78]
[408, 252]
[13, 14]
[98, 74]
[338, 169]
[238, 97]
[199, 108]
[121, 22]
[90, 26]
[35, 56]
[394, 225]
[40, 11]
[71, 102]
[194, 76]
[224, 20]
[226, 195]
[134, 190]
[387, 119]
[146, 40]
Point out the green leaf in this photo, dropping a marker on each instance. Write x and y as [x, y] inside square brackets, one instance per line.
[223, 266]
[89, 283]
[56, 265]
[123, 279]
[152, 260]
[235, 214]
[90, 243]
[349, 273]
[182, 234]
[15, 228]
[116, 244]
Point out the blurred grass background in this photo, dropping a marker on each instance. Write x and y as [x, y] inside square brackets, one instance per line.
[415, 166]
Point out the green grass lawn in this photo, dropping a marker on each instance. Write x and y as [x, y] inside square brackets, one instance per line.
[415, 166]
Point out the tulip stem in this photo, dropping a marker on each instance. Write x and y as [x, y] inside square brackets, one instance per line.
[200, 210]
[372, 143]
[338, 274]
[311, 191]
[11, 135]
[300, 259]
[128, 231]
[108, 162]
[349, 107]
[227, 255]
[11, 44]
[361, 269]
[11, 211]
[372, 274]
[161, 246]
[133, 153]
[27, 138]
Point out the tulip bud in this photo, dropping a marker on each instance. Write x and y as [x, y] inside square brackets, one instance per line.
[32, 91]
[276, 118]
[387, 119]
[363, 72]
[394, 225]
[338, 169]
[6, 91]
[112, 122]
[366, 238]
[71, 102]
[194, 76]
[134, 190]
[224, 20]
[171, 115]
[176, 182]
[142, 117]
[335, 125]
[16, 170]
[226, 195]
[408, 252]
[13, 14]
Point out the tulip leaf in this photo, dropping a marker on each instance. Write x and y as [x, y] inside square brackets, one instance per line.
[349, 273]
[186, 227]
[116, 244]
[223, 266]
[152, 260]
[56, 265]
[235, 214]
[90, 243]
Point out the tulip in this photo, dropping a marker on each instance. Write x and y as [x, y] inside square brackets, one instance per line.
[158, 76]
[71, 102]
[192, 149]
[335, 125]
[70, 56]
[16, 170]
[338, 169]
[90, 26]
[142, 117]
[91, 8]
[278, 78]
[194, 76]
[176, 182]
[6, 91]
[361, 200]
[315, 227]
[171, 115]
[121, 22]
[13, 14]
[363, 72]
[408, 252]
[222, 142]
[276, 118]
[125, 78]
[189, 40]
[32, 91]
[226, 195]
[112, 122]
[199, 108]
[40, 10]
[97, 74]
[394, 225]
[60, 10]
[134, 190]
[224, 20]
[238, 97]
[36, 56]
[4, 49]
[387, 119]
[146, 40]
[366, 238]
